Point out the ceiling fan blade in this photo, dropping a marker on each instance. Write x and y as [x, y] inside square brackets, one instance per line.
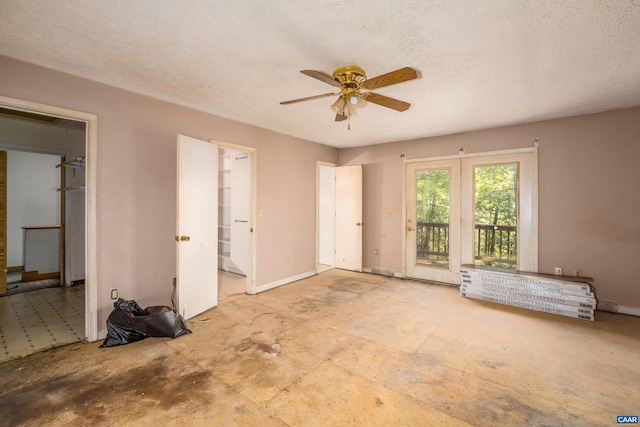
[385, 101]
[397, 76]
[340, 117]
[308, 98]
[322, 77]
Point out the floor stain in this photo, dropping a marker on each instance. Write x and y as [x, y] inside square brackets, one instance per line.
[92, 397]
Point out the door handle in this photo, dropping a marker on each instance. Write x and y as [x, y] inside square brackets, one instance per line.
[410, 229]
[359, 224]
[183, 238]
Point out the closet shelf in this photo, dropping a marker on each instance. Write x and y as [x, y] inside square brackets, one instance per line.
[72, 188]
[76, 162]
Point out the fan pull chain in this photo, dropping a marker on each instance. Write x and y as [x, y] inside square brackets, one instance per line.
[349, 123]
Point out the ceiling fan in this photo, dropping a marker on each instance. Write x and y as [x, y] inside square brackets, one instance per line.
[355, 87]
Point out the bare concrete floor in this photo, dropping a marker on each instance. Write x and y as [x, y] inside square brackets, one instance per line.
[343, 348]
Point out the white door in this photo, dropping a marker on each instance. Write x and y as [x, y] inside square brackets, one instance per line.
[240, 211]
[433, 220]
[326, 217]
[197, 226]
[348, 236]
[478, 210]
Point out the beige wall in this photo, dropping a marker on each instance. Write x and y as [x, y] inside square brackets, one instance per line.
[588, 204]
[136, 183]
[589, 194]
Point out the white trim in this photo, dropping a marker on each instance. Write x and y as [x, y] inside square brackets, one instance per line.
[534, 209]
[102, 334]
[629, 309]
[404, 218]
[367, 270]
[284, 281]
[398, 274]
[91, 153]
[253, 157]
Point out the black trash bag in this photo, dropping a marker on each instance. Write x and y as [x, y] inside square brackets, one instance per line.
[129, 323]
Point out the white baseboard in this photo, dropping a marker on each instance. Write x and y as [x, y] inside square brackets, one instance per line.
[284, 281]
[398, 274]
[102, 334]
[366, 269]
[629, 309]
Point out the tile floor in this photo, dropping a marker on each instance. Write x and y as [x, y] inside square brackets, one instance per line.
[33, 321]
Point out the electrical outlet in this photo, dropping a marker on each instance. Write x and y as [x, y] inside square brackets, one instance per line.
[114, 293]
[259, 213]
[558, 271]
[578, 273]
[375, 252]
[290, 257]
[389, 212]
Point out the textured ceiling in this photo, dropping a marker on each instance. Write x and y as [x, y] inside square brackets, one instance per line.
[480, 63]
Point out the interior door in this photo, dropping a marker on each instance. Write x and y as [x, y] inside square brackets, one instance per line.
[3, 222]
[433, 220]
[348, 234]
[197, 226]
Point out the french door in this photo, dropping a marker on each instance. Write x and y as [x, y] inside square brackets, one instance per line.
[433, 220]
[471, 210]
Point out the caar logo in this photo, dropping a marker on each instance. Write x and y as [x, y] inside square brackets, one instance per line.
[627, 419]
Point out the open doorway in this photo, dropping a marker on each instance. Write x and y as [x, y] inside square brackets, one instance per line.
[44, 301]
[235, 219]
[90, 122]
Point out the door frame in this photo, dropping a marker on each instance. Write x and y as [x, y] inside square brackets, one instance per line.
[91, 159]
[253, 166]
[534, 232]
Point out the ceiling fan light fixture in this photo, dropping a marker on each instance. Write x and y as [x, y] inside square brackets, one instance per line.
[353, 99]
[340, 107]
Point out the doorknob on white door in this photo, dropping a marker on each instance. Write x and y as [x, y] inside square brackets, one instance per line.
[183, 238]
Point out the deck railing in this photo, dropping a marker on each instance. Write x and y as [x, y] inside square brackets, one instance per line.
[494, 243]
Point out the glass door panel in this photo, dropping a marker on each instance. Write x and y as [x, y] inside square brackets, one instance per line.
[496, 215]
[433, 202]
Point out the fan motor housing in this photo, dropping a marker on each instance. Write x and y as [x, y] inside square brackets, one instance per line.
[349, 75]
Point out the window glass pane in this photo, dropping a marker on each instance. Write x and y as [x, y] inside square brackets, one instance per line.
[496, 215]
[432, 217]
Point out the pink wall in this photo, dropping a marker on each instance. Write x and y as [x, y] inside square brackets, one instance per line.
[589, 194]
[137, 182]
